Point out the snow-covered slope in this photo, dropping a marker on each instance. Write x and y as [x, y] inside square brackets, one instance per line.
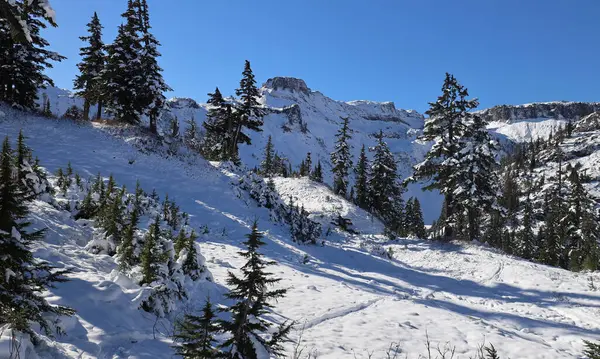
[301, 120]
[356, 294]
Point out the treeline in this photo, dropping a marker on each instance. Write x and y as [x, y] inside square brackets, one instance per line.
[377, 187]
[546, 216]
[550, 216]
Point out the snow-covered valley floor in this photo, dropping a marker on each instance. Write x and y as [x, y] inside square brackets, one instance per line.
[349, 297]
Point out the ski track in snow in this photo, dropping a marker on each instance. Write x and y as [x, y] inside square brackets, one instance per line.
[349, 298]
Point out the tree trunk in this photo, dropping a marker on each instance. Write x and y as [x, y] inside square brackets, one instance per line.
[86, 110]
[448, 233]
[153, 128]
[99, 113]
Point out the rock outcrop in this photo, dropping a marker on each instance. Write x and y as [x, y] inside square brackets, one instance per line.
[569, 111]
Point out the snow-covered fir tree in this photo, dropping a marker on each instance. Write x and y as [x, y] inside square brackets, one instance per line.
[249, 112]
[267, 165]
[317, 174]
[218, 126]
[24, 278]
[445, 127]
[123, 73]
[475, 175]
[153, 86]
[191, 135]
[413, 218]
[23, 63]
[247, 326]
[89, 81]
[195, 335]
[341, 159]
[385, 190]
[361, 174]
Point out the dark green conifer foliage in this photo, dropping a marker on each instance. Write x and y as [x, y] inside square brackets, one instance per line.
[195, 335]
[152, 255]
[123, 73]
[219, 128]
[21, 300]
[385, 191]
[190, 265]
[592, 350]
[252, 296]
[153, 85]
[361, 173]
[249, 112]
[89, 82]
[341, 159]
[126, 250]
[23, 64]
[267, 165]
[317, 174]
[446, 128]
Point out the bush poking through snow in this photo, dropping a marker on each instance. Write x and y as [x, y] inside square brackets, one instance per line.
[302, 228]
[162, 258]
[23, 278]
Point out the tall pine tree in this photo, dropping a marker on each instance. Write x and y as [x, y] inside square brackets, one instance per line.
[153, 85]
[445, 127]
[361, 173]
[247, 325]
[341, 159]
[475, 174]
[123, 73]
[385, 191]
[89, 81]
[23, 63]
[249, 111]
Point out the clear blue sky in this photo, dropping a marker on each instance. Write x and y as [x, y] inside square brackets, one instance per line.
[504, 51]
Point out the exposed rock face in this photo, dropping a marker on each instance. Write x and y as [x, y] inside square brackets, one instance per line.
[572, 111]
[287, 83]
[182, 102]
[590, 122]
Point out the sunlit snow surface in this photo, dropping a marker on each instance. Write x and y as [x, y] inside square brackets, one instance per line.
[349, 297]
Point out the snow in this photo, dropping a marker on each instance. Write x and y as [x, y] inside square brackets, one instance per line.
[525, 131]
[357, 293]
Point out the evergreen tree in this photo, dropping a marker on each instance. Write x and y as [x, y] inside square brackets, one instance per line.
[361, 172]
[267, 165]
[153, 85]
[592, 350]
[126, 249]
[249, 111]
[24, 278]
[341, 159]
[526, 237]
[413, 219]
[123, 73]
[445, 127]
[191, 136]
[317, 174]
[385, 191]
[195, 335]
[476, 174]
[23, 63]
[190, 264]
[247, 325]
[307, 165]
[218, 126]
[583, 229]
[152, 256]
[89, 81]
